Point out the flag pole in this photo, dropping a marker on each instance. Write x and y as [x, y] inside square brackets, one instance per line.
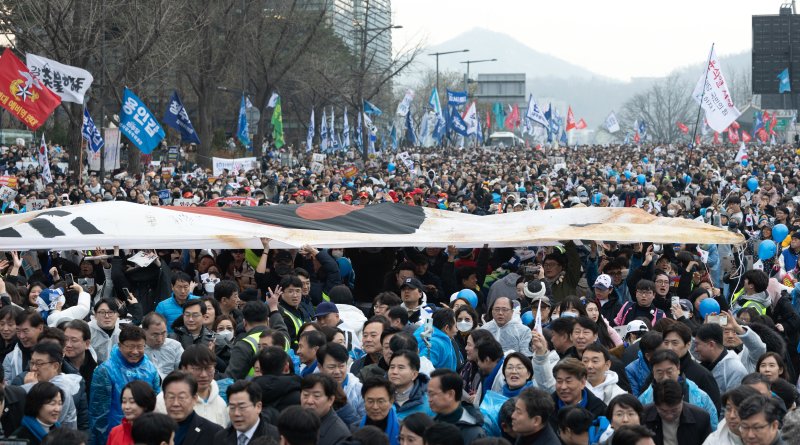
[702, 95]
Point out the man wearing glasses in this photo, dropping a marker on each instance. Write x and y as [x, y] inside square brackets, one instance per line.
[247, 423]
[180, 394]
[643, 307]
[510, 333]
[199, 362]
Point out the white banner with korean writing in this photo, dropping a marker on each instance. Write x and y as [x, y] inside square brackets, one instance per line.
[711, 92]
[235, 164]
[69, 82]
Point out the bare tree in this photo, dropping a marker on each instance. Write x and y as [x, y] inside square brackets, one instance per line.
[662, 106]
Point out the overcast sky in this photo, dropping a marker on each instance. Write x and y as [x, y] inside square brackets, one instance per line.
[615, 38]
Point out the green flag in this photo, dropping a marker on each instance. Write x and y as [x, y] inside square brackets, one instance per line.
[277, 124]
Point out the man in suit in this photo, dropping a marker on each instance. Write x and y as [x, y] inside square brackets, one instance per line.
[244, 407]
[180, 395]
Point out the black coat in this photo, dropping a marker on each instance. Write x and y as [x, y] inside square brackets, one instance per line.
[702, 377]
[593, 404]
[544, 437]
[201, 431]
[14, 410]
[279, 391]
[694, 426]
[332, 430]
[25, 434]
[229, 436]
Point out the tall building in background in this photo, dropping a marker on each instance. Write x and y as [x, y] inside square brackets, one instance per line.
[360, 21]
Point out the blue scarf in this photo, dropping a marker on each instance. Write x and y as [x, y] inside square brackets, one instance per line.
[392, 426]
[489, 380]
[508, 392]
[346, 379]
[35, 427]
[309, 369]
[582, 403]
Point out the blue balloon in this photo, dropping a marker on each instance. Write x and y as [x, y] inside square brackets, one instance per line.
[708, 306]
[527, 318]
[645, 160]
[772, 167]
[628, 174]
[767, 250]
[779, 233]
[470, 296]
[391, 167]
[687, 179]
[745, 162]
[642, 179]
[752, 184]
[617, 178]
[596, 198]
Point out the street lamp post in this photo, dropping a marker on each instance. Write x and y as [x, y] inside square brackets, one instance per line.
[437, 62]
[466, 78]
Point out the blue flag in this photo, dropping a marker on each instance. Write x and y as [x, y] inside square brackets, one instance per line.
[642, 129]
[548, 115]
[243, 130]
[456, 97]
[456, 123]
[411, 135]
[371, 109]
[784, 86]
[393, 136]
[138, 124]
[91, 133]
[177, 118]
[758, 122]
[564, 138]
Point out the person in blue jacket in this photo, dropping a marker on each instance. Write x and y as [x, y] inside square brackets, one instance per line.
[172, 307]
[411, 387]
[436, 340]
[126, 363]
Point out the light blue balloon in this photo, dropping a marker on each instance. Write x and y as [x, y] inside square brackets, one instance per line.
[745, 162]
[642, 179]
[687, 179]
[752, 184]
[779, 233]
[527, 317]
[645, 160]
[772, 167]
[628, 174]
[767, 250]
[707, 307]
[391, 167]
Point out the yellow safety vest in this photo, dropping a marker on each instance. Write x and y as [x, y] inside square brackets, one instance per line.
[762, 310]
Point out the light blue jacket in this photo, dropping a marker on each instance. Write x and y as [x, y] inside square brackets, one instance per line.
[105, 409]
[637, 371]
[697, 397]
[417, 401]
[441, 353]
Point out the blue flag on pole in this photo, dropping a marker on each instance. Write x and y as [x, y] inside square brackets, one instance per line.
[393, 136]
[243, 129]
[548, 115]
[91, 133]
[411, 135]
[177, 118]
[758, 122]
[457, 124]
[456, 97]
[784, 86]
[371, 109]
[138, 124]
[642, 129]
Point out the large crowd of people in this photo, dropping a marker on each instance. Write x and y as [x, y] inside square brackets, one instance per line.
[585, 342]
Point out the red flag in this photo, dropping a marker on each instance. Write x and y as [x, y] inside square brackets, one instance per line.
[765, 117]
[746, 136]
[22, 94]
[570, 119]
[512, 120]
[697, 140]
[735, 125]
[488, 121]
[772, 123]
[762, 134]
[733, 135]
[636, 138]
[580, 125]
[716, 138]
[684, 129]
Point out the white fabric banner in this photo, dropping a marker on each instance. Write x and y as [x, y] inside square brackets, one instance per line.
[717, 100]
[405, 105]
[612, 124]
[112, 149]
[471, 118]
[232, 165]
[129, 226]
[535, 114]
[69, 82]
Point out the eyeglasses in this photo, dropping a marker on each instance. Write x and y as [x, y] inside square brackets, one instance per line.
[747, 428]
[105, 313]
[239, 408]
[376, 402]
[662, 281]
[192, 315]
[519, 368]
[201, 369]
[182, 398]
[38, 364]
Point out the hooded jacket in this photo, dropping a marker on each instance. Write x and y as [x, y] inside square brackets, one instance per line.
[441, 351]
[752, 348]
[279, 391]
[513, 336]
[105, 409]
[728, 371]
[695, 396]
[101, 342]
[417, 399]
[72, 385]
[167, 358]
[470, 423]
[723, 436]
[213, 409]
[638, 372]
[352, 389]
[608, 389]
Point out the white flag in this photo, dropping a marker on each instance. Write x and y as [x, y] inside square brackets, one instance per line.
[69, 82]
[405, 105]
[612, 124]
[535, 114]
[742, 153]
[310, 135]
[273, 100]
[538, 324]
[345, 131]
[44, 162]
[323, 131]
[333, 144]
[471, 119]
[716, 100]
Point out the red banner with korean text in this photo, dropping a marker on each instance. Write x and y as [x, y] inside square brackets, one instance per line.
[22, 94]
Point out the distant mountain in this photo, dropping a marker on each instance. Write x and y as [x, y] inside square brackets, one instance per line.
[512, 56]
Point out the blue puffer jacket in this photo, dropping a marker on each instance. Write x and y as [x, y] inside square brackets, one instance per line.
[637, 371]
[441, 353]
[696, 397]
[417, 399]
[105, 409]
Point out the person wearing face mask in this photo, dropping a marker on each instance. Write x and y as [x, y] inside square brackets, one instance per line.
[466, 322]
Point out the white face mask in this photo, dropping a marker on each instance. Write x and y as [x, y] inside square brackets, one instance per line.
[226, 336]
[464, 326]
[337, 253]
[671, 212]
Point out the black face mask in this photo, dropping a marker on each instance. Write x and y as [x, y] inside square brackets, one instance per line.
[541, 198]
